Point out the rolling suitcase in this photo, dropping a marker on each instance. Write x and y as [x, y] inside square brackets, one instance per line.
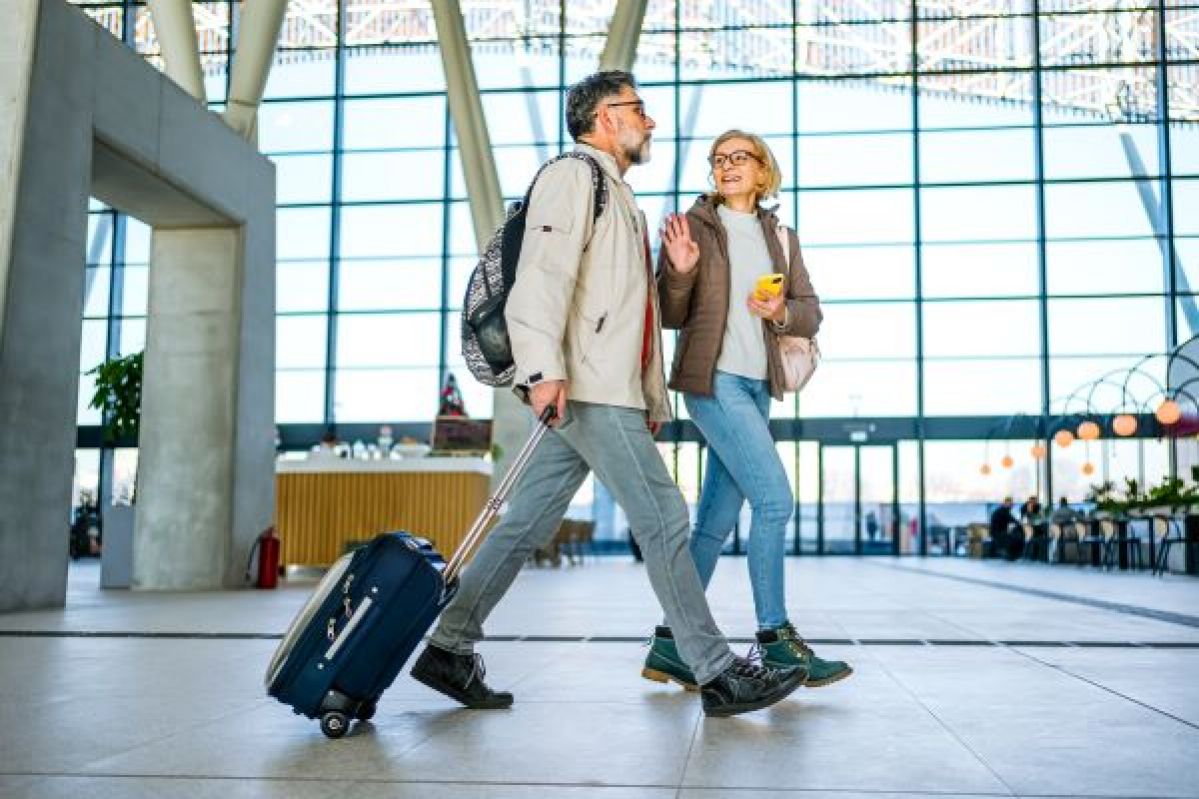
[368, 614]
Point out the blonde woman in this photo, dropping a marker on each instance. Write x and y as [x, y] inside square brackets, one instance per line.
[727, 365]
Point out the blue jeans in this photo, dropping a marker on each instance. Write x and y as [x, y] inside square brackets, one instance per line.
[742, 464]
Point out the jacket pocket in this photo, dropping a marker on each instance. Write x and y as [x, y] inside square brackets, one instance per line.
[590, 332]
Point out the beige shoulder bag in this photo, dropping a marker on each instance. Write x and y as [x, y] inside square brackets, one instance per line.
[800, 356]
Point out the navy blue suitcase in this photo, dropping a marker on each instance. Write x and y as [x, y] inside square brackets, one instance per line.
[367, 616]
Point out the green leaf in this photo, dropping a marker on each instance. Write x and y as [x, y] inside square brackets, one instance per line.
[118, 395]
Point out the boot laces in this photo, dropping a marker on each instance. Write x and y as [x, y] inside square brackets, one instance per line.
[477, 672]
[750, 668]
[789, 634]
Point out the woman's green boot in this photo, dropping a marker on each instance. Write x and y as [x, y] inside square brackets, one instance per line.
[783, 647]
[663, 663]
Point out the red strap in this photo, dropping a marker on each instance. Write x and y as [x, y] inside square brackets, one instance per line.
[647, 332]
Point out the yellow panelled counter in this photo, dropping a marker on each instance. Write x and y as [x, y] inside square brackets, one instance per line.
[321, 505]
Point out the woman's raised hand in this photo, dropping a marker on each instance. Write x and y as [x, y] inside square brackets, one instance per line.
[680, 247]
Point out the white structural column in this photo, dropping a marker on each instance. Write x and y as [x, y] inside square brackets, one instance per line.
[620, 50]
[175, 26]
[83, 115]
[510, 421]
[470, 126]
[258, 33]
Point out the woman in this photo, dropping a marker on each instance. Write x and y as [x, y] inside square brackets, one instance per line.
[727, 365]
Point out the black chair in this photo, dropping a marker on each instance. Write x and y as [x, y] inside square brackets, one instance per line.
[1117, 534]
[1073, 532]
[1092, 536]
[1163, 527]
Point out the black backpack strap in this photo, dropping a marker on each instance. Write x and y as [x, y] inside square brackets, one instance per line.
[598, 184]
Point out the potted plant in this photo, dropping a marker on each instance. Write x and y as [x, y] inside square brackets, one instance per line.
[118, 396]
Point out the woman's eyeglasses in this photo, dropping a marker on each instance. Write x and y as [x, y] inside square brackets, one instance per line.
[735, 158]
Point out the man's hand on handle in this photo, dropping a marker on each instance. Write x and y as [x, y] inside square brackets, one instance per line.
[549, 392]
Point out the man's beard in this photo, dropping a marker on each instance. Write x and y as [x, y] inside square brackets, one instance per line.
[636, 148]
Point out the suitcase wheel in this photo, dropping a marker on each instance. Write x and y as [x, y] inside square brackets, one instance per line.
[334, 724]
[366, 711]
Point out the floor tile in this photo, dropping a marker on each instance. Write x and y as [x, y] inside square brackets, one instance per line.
[132, 713]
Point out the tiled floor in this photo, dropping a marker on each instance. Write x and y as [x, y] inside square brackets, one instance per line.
[972, 679]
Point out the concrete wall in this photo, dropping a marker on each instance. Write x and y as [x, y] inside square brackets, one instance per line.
[45, 112]
[82, 114]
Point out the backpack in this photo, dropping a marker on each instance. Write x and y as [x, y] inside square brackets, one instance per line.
[485, 344]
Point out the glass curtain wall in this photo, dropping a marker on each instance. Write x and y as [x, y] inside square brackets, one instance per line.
[998, 202]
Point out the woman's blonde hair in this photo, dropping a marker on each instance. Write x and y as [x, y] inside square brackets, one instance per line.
[768, 188]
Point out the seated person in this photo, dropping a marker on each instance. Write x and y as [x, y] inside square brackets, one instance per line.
[1004, 540]
[1030, 511]
[1063, 513]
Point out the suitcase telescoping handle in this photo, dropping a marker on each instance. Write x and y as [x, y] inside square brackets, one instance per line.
[496, 501]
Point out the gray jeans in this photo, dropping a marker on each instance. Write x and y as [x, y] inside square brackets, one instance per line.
[616, 444]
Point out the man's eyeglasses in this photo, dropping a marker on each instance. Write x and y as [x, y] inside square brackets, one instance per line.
[735, 158]
[638, 106]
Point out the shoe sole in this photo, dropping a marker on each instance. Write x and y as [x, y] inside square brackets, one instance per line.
[838, 677]
[733, 710]
[661, 676]
[456, 695]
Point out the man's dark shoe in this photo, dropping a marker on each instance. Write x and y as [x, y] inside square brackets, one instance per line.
[746, 686]
[459, 677]
[783, 647]
[663, 664]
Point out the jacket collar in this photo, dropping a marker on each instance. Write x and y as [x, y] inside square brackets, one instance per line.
[606, 161]
[705, 209]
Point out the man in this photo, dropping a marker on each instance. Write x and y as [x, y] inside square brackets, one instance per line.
[1002, 537]
[584, 327]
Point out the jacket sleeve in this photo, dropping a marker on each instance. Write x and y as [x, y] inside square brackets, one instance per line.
[803, 306]
[674, 291]
[557, 229]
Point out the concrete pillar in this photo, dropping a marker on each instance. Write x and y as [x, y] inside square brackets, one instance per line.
[257, 35]
[620, 50]
[81, 114]
[45, 161]
[175, 26]
[510, 421]
[189, 406]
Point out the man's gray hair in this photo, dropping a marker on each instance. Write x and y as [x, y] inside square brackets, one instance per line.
[584, 98]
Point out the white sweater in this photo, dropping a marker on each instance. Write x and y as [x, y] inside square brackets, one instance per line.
[744, 349]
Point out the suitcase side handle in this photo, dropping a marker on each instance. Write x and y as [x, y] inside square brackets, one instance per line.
[493, 504]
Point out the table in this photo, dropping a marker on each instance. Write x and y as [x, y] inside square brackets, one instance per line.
[324, 505]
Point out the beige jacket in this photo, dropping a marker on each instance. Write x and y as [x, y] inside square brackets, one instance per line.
[577, 309]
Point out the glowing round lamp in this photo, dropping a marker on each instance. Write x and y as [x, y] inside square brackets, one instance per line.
[1063, 438]
[1088, 468]
[1007, 461]
[985, 469]
[1168, 412]
[1088, 431]
[1037, 451]
[1124, 424]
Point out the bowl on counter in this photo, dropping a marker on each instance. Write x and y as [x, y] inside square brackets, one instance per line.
[415, 450]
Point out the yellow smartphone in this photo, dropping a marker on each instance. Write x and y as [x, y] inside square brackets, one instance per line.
[769, 285]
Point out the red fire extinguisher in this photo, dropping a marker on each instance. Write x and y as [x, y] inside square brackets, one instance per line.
[267, 547]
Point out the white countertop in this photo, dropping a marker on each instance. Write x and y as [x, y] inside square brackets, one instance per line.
[342, 465]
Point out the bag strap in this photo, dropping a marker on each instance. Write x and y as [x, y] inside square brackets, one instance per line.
[599, 185]
[785, 242]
